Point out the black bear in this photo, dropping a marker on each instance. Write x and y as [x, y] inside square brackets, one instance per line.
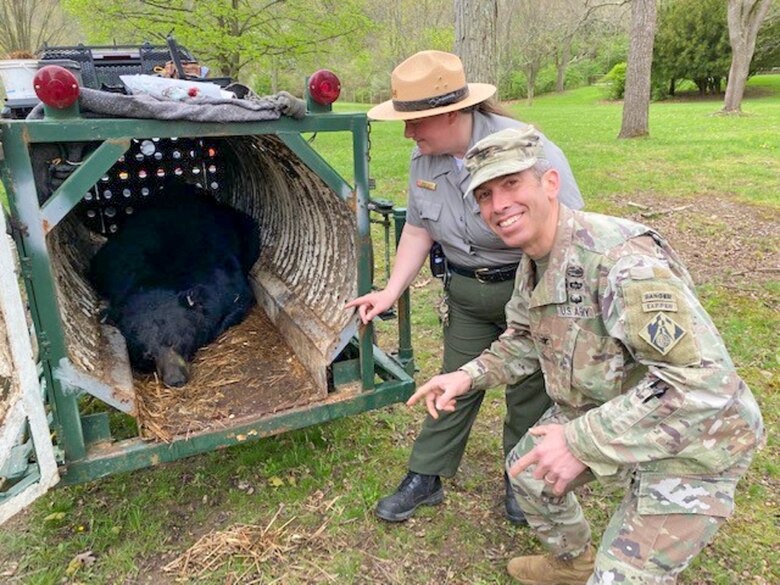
[175, 277]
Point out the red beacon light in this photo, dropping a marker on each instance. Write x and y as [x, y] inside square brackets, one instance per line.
[56, 87]
[324, 87]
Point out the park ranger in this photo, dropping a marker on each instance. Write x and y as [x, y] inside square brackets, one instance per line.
[445, 116]
[644, 390]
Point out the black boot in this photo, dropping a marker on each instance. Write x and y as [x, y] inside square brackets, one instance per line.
[415, 490]
[513, 512]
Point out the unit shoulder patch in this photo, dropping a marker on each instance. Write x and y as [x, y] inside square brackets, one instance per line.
[659, 322]
[662, 332]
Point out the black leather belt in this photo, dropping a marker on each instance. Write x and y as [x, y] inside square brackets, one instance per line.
[485, 275]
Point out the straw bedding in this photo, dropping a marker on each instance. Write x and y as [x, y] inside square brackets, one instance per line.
[248, 371]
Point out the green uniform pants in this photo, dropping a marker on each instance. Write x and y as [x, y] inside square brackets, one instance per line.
[476, 319]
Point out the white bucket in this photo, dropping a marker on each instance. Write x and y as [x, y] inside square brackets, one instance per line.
[17, 78]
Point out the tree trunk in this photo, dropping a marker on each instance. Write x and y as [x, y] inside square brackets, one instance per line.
[530, 76]
[714, 85]
[672, 86]
[636, 105]
[229, 64]
[744, 18]
[561, 63]
[235, 32]
[274, 75]
[475, 39]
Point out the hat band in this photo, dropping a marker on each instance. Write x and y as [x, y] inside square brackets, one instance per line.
[429, 103]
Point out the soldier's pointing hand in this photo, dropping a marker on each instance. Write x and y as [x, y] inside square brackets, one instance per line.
[441, 391]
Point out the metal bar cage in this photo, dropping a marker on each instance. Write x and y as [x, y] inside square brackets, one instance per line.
[316, 254]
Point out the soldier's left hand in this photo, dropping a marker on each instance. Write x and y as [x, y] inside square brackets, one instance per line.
[555, 463]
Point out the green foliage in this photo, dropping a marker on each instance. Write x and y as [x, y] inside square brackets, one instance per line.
[515, 85]
[273, 45]
[229, 34]
[597, 46]
[616, 81]
[692, 42]
[767, 54]
[659, 87]
[400, 29]
[599, 51]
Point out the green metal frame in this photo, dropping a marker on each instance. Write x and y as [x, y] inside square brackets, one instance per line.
[84, 462]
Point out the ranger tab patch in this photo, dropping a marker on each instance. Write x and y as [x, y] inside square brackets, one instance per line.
[423, 184]
[659, 300]
[662, 333]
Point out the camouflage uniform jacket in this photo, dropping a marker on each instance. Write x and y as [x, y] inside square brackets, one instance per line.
[628, 354]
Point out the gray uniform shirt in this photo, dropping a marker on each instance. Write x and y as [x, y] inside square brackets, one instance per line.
[436, 202]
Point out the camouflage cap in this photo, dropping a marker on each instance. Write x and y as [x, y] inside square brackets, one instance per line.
[503, 153]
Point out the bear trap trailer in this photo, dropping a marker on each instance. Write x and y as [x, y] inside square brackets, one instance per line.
[63, 374]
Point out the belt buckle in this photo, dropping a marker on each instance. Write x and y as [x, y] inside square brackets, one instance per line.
[481, 274]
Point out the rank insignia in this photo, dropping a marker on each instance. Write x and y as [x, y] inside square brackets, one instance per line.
[662, 333]
[423, 184]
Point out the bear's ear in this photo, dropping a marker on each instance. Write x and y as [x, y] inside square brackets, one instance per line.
[193, 298]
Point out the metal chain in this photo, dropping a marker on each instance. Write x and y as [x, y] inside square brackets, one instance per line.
[368, 142]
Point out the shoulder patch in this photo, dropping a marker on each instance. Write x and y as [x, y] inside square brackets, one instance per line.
[662, 333]
[659, 322]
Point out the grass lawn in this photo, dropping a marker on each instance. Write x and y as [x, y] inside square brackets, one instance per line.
[312, 491]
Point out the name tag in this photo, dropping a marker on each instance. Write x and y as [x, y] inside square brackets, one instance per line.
[430, 185]
[576, 312]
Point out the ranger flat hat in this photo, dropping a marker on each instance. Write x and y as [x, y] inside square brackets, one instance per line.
[503, 153]
[429, 83]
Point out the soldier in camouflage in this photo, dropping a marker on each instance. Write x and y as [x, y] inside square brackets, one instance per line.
[643, 388]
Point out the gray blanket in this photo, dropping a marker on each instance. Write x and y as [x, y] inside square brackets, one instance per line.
[94, 103]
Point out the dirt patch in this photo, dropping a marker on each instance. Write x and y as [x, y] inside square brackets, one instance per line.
[723, 242]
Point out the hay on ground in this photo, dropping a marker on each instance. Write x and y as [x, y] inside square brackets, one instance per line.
[247, 545]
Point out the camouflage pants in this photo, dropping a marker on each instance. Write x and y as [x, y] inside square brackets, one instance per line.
[643, 544]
